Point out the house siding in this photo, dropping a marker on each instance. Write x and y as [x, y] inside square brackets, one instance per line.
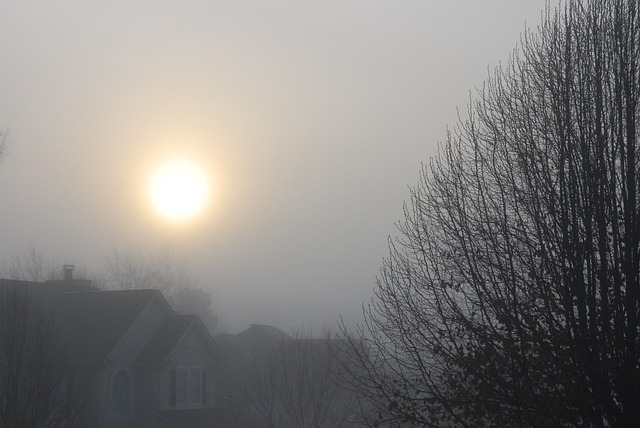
[147, 395]
[140, 333]
[189, 350]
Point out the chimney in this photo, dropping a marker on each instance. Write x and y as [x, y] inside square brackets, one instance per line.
[68, 272]
[69, 283]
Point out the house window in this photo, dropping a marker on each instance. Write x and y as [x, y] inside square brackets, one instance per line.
[120, 393]
[189, 386]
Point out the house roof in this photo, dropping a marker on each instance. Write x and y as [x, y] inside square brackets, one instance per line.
[259, 336]
[49, 288]
[168, 336]
[256, 341]
[230, 348]
[96, 320]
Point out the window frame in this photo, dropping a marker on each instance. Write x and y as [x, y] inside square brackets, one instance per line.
[189, 386]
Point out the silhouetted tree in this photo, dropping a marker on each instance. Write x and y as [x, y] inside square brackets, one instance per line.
[296, 383]
[196, 301]
[38, 387]
[31, 264]
[162, 271]
[3, 143]
[143, 270]
[28, 265]
[511, 295]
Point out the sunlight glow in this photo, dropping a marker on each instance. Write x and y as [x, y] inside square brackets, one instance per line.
[179, 190]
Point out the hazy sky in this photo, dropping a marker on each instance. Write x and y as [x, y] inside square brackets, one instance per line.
[311, 117]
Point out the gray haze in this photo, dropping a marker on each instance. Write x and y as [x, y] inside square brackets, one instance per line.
[311, 117]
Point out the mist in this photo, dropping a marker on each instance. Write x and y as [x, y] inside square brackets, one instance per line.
[311, 119]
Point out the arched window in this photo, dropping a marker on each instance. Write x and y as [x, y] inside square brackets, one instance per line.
[120, 393]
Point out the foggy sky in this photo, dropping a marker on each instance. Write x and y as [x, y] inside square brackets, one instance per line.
[311, 117]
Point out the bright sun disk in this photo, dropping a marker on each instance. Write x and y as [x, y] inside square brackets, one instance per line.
[178, 189]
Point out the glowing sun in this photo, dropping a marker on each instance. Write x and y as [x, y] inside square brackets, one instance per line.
[178, 189]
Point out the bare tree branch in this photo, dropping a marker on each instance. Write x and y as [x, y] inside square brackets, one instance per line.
[296, 383]
[512, 295]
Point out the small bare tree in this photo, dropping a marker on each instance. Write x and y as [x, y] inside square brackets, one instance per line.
[297, 384]
[29, 265]
[137, 270]
[38, 387]
[196, 301]
[163, 271]
[3, 143]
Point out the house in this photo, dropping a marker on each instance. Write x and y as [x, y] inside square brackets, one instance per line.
[275, 379]
[143, 364]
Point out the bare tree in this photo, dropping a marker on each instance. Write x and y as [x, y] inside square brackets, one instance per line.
[3, 143]
[296, 383]
[163, 271]
[137, 270]
[192, 300]
[38, 387]
[31, 264]
[512, 295]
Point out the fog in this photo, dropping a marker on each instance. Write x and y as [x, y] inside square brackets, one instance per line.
[312, 119]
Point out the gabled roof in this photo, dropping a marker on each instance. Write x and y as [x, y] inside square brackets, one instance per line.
[96, 320]
[231, 349]
[261, 334]
[256, 341]
[168, 336]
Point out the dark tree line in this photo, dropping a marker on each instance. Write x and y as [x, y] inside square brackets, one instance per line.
[511, 296]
